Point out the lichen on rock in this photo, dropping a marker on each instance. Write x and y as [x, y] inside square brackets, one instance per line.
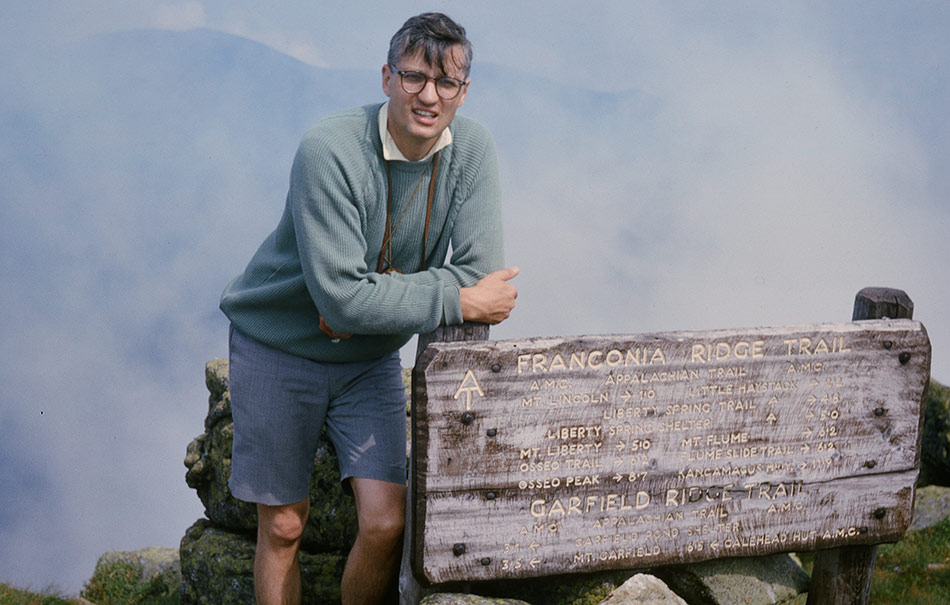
[217, 567]
[332, 523]
[217, 553]
[134, 576]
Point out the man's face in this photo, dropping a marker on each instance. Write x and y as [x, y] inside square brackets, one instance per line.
[417, 120]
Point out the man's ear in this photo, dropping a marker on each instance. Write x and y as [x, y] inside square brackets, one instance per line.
[468, 82]
[387, 79]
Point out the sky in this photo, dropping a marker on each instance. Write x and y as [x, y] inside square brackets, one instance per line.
[665, 166]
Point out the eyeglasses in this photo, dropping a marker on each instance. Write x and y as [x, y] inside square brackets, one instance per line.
[413, 82]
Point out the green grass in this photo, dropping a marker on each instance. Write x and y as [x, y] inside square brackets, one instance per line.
[121, 582]
[914, 570]
[16, 596]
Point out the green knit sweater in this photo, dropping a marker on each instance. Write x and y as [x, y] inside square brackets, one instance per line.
[322, 257]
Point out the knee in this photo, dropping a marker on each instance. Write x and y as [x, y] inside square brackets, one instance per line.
[384, 530]
[282, 526]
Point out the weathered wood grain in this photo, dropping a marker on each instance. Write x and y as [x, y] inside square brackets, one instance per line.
[543, 456]
[512, 538]
[842, 576]
[410, 591]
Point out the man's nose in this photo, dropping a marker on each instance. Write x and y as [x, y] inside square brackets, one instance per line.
[428, 94]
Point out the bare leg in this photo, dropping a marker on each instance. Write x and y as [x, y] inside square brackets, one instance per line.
[276, 567]
[374, 559]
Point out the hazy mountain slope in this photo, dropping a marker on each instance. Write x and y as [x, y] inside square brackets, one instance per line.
[141, 169]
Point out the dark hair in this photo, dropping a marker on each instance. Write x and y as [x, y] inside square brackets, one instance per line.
[434, 34]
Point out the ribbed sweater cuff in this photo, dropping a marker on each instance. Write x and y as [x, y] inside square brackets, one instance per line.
[451, 305]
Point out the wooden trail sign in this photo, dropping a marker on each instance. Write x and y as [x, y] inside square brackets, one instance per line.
[546, 456]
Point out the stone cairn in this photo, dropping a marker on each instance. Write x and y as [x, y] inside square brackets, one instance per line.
[217, 552]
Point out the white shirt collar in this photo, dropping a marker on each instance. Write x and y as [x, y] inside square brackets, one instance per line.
[391, 151]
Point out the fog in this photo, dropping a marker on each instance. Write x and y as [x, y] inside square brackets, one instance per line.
[665, 167]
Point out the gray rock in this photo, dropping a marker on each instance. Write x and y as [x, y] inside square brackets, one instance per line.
[643, 589]
[217, 567]
[155, 562]
[577, 589]
[136, 574]
[332, 523]
[749, 581]
[452, 598]
[217, 553]
[932, 505]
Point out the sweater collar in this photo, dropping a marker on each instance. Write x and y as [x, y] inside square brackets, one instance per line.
[391, 151]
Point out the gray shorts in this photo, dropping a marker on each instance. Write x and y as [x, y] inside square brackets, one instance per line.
[280, 402]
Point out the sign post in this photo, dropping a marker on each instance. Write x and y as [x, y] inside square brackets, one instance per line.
[842, 576]
[548, 456]
[410, 591]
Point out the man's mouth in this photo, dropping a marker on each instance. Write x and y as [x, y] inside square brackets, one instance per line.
[423, 113]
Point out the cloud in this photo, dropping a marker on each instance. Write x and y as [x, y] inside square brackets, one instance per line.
[180, 16]
[292, 46]
[767, 186]
[664, 168]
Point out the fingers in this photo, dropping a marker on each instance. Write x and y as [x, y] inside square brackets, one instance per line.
[505, 274]
[501, 294]
[492, 299]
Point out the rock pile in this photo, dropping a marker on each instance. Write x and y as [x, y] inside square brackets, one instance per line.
[217, 553]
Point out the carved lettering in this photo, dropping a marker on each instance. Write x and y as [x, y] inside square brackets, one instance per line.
[610, 453]
[721, 351]
[581, 360]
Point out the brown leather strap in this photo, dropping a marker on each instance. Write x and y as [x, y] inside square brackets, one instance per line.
[425, 231]
[389, 208]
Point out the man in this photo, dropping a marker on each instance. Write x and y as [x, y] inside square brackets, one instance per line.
[356, 266]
